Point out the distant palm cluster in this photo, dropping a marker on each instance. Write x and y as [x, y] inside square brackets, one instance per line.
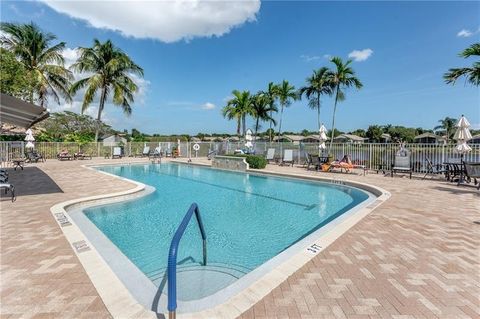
[262, 105]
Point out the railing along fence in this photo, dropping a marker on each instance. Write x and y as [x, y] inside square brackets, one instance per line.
[370, 154]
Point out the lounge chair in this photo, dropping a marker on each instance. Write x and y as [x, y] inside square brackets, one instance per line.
[157, 153]
[82, 156]
[145, 152]
[64, 156]
[472, 171]
[34, 157]
[287, 157]
[402, 164]
[433, 169]
[9, 187]
[270, 155]
[117, 152]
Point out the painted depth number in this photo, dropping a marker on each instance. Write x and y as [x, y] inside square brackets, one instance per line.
[314, 249]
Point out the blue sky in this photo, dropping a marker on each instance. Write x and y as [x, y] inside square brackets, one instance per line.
[194, 57]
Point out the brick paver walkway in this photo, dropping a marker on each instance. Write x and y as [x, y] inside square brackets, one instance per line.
[40, 275]
[415, 256]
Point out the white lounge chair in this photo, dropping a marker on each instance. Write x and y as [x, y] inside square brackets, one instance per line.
[156, 153]
[270, 155]
[117, 152]
[287, 157]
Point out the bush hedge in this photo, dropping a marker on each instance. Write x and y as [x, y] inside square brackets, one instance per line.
[254, 161]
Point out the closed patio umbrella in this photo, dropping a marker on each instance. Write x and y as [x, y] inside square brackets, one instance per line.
[322, 138]
[30, 139]
[462, 135]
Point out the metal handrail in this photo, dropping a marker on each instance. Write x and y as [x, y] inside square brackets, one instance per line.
[172, 256]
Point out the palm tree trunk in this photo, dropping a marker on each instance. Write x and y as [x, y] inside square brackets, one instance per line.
[244, 124]
[318, 119]
[100, 110]
[256, 131]
[238, 126]
[333, 120]
[270, 131]
[280, 123]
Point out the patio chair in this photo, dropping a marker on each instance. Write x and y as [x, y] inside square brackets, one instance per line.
[8, 187]
[82, 156]
[34, 157]
[402, 164]
[145, 152]
[157, 153]
[287, 157]
[472, 171]
[433, 169]
[117, 152]
[270, 155]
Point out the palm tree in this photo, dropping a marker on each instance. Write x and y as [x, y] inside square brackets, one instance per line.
[42, 60]
[111, 71]
[238, 108]
[286, 93]
[317, 84]
[447, 124]
[262, 110]
[341, 78]
[271, 94]
[471, 74]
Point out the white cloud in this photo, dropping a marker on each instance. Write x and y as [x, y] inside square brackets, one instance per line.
[168, 21]
[464, 33]
[208, 106]
[360, 55]
[327, 56]
[309, 58]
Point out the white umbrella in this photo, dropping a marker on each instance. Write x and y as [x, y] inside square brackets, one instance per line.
[248, 138]
[462, 135]
[323, 137]
[29, 138]
[178, 148]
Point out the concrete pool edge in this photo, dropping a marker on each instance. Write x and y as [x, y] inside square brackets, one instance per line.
[116, 297]
[121, 303]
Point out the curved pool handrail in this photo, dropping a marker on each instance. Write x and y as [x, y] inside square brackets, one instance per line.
[172, 256]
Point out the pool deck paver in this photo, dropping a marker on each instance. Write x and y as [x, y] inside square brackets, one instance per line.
[416, 256]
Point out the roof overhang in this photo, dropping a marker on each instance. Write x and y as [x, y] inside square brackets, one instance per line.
[20, 113]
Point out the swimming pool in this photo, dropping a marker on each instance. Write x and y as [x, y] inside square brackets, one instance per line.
[249, 219]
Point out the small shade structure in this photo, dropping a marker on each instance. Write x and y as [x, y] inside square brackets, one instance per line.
[114, 140]
[323, 137]
[20, 113]
[462, 136]
[30, 139]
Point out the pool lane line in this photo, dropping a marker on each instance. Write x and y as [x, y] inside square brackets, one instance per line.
[305, 206]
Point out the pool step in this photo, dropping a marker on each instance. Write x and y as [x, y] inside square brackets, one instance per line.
[235, 270]
[195, 281]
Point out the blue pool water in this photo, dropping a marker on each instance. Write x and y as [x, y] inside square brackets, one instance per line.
[248, 219]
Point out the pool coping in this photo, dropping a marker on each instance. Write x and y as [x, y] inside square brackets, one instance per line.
[121, 303]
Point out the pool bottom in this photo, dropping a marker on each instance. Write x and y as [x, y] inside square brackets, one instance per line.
[151, 297]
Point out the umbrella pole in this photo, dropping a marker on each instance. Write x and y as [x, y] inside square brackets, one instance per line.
[461, 179]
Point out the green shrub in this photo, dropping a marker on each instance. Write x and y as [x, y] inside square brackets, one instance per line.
[256, 161]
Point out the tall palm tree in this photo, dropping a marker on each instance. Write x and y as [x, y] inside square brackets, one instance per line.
[317, 84]
[111, 70]
[286, 93]
[271, 94]
[238, 108]
[448, 125]
[471, 74]
[342, 78]
[262, 110]
[42, 60]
